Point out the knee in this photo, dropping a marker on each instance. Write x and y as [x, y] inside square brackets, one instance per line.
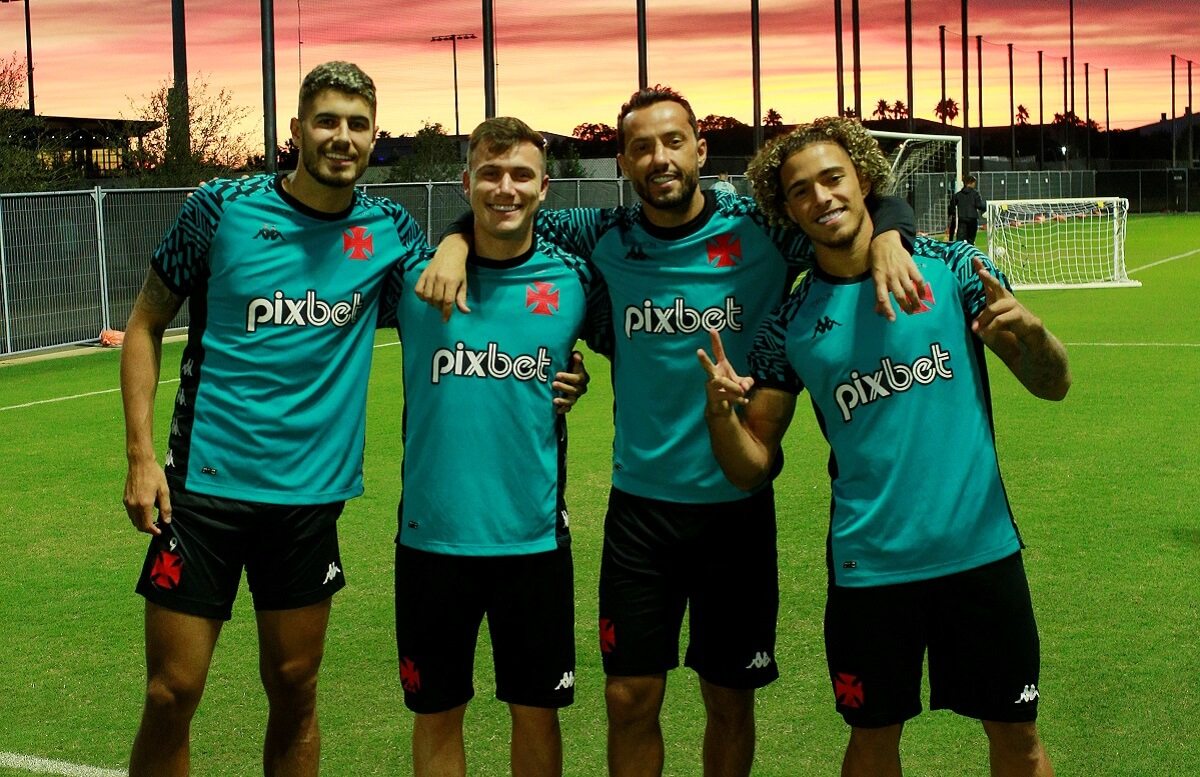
[291, 682]
[875, 743]
[173, 696]
[630, 699]
[1016, 741]
[729, 708]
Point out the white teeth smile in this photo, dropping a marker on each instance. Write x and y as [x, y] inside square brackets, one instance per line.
[662, 179]
[504, 208]
[830, 216]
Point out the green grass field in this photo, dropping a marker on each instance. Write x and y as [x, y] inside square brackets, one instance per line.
[1104, 486]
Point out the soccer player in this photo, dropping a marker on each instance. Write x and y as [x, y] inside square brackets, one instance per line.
[283, 277]
[487, 534]
[923, 551]
[682, 261]
[965, 208]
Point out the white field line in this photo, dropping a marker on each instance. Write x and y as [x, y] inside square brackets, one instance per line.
[37, 765]
[113, 390]
[1137, 345]
[1184, 255]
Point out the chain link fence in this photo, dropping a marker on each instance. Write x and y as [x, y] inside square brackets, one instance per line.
[71, 263]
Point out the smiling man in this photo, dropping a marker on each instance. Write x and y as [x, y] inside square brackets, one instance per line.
[903, 406]
[483, 519]
[283, 275]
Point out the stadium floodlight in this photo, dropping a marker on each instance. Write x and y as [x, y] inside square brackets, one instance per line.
[926, 170]
[1066, 243]
[454, 39]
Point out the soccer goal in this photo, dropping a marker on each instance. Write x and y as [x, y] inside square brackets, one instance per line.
[1061, 243]
[926, 170]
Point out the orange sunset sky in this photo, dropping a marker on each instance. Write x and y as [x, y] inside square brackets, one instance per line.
[563, 62]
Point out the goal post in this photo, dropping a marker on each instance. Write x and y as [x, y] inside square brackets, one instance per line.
[926, 171]
[1066, 243]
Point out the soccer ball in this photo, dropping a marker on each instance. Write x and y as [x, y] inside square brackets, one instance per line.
[999, 252]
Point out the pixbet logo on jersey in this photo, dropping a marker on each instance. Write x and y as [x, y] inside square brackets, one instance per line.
[865, 388]
[679, 318]
[307, 311]
[490, 363]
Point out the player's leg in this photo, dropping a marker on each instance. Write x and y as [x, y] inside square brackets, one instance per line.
[189, 580]
[291, 645]
[642, 602]
[875, 641]
[294, 567]
[179, 649]
[531, 620]
[438, 613]
[733, 590]
[984, 659]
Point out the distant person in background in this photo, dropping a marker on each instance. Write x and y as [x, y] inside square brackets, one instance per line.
[723, 184]
[966, 206]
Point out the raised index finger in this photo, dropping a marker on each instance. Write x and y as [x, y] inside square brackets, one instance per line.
[717, 346]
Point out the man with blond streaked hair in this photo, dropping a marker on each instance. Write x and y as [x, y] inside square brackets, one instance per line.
[906, 410]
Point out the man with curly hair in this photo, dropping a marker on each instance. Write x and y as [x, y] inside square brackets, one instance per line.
[900, 405]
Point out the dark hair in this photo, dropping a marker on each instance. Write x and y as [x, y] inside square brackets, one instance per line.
[968, 178]
[343, 77]
[501, 133]
[646, 97]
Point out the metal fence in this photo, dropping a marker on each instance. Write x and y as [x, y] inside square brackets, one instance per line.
[71, 263]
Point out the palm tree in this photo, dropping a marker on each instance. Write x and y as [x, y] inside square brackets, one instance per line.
[772, 119]
[1022, 115]
[946, 110]
[882, 109]
[899, 110]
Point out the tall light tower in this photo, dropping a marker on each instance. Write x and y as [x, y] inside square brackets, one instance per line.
[28, 53]
[454, 39]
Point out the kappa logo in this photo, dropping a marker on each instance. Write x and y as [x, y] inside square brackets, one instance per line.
[331, 573]
[269, 233]
[541, 298]
[637, 254]
[410, 676]
[567, 681]
[848, 689]
[358, 244]
[725, 250]
[1030, 693]
[167, 569]
[891, 378]
[760, 661]
[826, 324]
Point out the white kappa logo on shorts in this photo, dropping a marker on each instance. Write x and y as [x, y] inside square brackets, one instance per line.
[332, 572]
[1029, 694]
[567, 681]
[760, 661]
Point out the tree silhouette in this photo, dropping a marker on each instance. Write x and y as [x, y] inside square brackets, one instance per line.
[946, 110]
[1022, 115]
[882, 109]
[714, 122]
[595, 132]
[849, 112]
[772, 119]
[899, 110]
[1068, 118]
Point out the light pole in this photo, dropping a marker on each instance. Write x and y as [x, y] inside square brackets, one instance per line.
[454, 39]
[28, 52]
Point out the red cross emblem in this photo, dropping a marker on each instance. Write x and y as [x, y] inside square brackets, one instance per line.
[166, 570]
[359, 243]
[410, 676]
[725, 251]
[848, 690]
[926, 299]
[608, 636]
[542, 298]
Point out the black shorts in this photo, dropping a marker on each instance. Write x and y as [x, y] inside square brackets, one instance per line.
[980, 631]
[529, 601]
[718, 561]
[290, 554]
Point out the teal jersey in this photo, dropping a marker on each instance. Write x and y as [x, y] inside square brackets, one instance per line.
[725, 270]
[283, 299]
[484, 468]
[906, 409]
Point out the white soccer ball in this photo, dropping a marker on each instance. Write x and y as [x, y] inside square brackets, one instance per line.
[999, 252]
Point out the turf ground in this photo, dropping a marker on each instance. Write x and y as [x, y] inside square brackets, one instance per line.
[1104, 486]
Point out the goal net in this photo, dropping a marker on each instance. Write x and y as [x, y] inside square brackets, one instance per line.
[1060, 243]
[926, 170]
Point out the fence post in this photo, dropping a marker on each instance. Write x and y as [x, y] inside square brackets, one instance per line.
[429, 211]
[4, 284]
[105, 302]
